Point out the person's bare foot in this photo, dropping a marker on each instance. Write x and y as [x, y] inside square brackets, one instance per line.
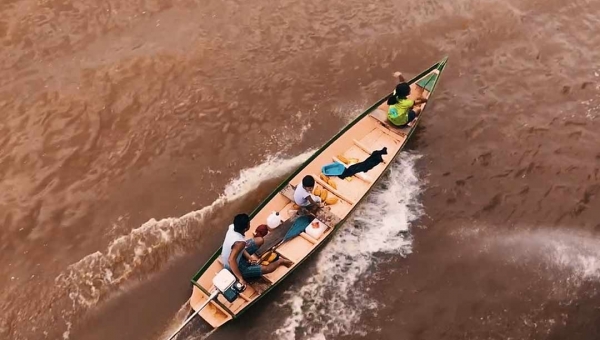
[286, 262]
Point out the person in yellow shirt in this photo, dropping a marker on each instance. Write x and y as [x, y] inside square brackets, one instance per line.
[401, 111]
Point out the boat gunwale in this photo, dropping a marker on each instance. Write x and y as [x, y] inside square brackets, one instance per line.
[437, 66]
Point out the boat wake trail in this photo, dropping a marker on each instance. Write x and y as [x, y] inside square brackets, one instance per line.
[331, 301]
[182, 314]
[145, 249]
[195, 330]
[577, 254]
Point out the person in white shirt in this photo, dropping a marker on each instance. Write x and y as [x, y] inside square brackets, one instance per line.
[303, 196]
[237, 254]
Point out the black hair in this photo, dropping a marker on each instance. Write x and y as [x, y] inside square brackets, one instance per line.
[308, 181]
[402, 90]
[240, 223]
[392, 99]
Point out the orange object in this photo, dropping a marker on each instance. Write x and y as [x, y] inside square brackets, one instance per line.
[331, 200]
[323, 195]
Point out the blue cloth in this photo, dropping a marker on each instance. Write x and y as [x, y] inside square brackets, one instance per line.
[299, 225]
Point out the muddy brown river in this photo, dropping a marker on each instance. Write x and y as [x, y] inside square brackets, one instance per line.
[132, 131]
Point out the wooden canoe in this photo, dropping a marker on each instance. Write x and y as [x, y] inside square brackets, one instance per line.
[368, 132]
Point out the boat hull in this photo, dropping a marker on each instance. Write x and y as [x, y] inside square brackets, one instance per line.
[375, 131]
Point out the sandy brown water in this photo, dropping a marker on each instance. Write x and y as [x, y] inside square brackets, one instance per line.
[118, 112]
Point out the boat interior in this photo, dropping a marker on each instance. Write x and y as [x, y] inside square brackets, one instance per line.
[370, 133]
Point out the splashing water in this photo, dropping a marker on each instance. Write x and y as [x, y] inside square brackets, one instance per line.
[323, 306]
[272, 167]
[574, 252]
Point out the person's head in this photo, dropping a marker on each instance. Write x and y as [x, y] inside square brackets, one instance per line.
[241, 223]
[261, 231]
[402, 90]
[308, 182]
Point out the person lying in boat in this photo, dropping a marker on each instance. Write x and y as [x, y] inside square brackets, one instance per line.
[402, 111]
[238, 255]
[303, 194]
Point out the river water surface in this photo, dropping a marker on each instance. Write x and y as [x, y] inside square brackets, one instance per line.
[133, 130]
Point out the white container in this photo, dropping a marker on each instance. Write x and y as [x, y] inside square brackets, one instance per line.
[224, 280]
[273, 221]
[315, 233]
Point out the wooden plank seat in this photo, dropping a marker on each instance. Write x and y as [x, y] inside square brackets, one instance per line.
[332, 190]
[366, 149]
[397, 134]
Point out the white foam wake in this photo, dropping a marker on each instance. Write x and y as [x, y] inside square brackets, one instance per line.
[331, 301]
[577, 253]
[93, 277]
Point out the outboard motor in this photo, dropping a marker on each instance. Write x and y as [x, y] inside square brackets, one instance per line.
[228, 285]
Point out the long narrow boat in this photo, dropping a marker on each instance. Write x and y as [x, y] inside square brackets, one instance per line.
[370, 131]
